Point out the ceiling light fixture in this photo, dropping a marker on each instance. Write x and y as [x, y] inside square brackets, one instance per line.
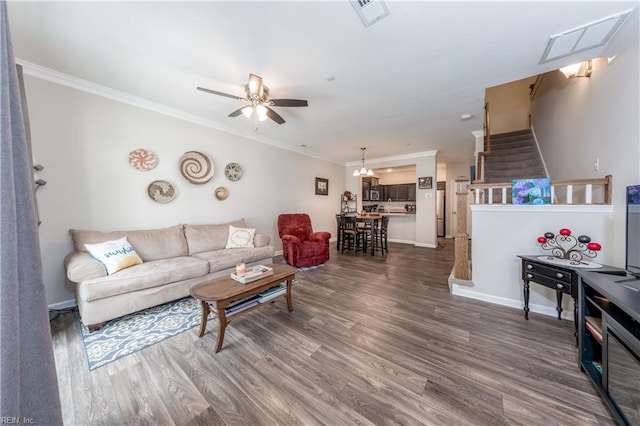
[363, 170]
[581, 69]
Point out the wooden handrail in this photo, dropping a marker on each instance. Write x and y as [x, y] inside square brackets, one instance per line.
[485, 191]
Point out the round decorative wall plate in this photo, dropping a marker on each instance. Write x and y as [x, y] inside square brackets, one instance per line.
[233, 171]
[142, 159]
[161, 191]
[221, 193]
[196, 167]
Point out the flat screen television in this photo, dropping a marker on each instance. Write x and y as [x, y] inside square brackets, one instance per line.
[633, 230]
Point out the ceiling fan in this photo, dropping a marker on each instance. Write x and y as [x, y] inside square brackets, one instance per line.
[256, 94]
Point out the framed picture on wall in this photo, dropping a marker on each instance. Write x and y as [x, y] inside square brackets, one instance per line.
[425, 182]
[322, 186]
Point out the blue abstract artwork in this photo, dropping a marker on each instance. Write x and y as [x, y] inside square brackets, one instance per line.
[531, 191]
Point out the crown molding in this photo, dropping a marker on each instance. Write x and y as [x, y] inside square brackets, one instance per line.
[86, 86]
[394, 158]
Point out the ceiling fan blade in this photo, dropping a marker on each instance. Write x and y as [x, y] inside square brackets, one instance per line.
[274, 115]
[255, 85]
[288, 102]
[237, 112]
[215, 92]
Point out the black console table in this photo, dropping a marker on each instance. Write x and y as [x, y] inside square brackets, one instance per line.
[562, 279]
[609, 340]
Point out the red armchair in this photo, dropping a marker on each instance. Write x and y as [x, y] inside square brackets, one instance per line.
[301, 247]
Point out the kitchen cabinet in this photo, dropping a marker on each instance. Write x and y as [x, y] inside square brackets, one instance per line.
[399, 192]
[369, 184]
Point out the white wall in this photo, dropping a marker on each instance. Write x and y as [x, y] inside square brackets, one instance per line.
[395, 178]
[509, 106]
[580, 120]
[501, 233]
[84, 140]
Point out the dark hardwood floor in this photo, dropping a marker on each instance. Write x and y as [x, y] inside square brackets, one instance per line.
[371, 340]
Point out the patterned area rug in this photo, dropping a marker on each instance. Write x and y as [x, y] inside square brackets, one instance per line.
[128, 334]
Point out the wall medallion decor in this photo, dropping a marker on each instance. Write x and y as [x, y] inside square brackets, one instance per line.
[233, 171]
[161, 191]
[196, 167]
[221, 193]
[142, 159]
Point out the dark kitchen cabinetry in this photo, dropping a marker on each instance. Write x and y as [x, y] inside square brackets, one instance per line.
[369, 184]
[399, 192]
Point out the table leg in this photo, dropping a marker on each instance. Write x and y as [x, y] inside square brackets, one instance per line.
[222, 325]
[559, 307]
[205, 315]
[526, 300]
[289, 301]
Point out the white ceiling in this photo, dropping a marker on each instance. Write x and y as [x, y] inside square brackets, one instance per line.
[398, 87]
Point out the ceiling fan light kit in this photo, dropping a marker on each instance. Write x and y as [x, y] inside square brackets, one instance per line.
[256, 94]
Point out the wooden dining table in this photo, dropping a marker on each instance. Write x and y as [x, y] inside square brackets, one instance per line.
[370, 223]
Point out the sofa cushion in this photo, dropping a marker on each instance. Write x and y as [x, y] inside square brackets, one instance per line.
[145, 275]
[151, 244]
[201, 238]
[240, 237]
[227, 258]
[114, 255]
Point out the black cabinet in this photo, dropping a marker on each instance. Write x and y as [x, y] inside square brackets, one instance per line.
[368, 184]
[609, 336]
[398, 192]
[412, 192]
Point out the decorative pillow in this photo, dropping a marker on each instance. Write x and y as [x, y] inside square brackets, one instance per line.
[114, 255]
[240, 237]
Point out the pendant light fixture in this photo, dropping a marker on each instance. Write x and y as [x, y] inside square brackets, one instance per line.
[363, 170]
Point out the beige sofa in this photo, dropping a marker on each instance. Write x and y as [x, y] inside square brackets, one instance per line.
[174, 259]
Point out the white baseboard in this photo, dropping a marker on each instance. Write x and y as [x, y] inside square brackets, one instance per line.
[539, 309]
[277, 253]
[393, 240]
[426, 245]
[62, 305]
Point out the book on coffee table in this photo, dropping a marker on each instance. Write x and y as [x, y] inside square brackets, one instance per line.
[252, 274]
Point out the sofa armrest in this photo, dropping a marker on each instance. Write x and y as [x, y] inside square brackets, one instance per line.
[82, 266]
[320, 236]
[261, 240]
[290, 239]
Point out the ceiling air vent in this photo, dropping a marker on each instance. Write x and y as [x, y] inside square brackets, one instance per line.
[583, 38]
[370, 11]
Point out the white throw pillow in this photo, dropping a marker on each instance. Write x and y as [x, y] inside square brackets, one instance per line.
[114, 255]
[240, 237]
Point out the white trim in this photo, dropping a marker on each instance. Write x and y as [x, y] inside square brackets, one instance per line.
[277, 253]
[553, 208]
[400, 241]
[394, 157]
[63, 305]
[67, 80]
[427, 245]
[540, 309]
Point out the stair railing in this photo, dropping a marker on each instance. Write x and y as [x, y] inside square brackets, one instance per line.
[569, 192]
[483, 194]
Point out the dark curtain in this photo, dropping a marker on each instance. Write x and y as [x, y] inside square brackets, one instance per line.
[28, 382]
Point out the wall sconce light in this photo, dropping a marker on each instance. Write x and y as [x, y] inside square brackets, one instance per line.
[581, 69]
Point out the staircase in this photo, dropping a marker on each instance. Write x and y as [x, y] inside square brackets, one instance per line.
[514, 155]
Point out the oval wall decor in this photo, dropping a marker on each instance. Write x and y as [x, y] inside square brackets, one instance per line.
[142, 159]
[196, 167]
[221, 193]
[161, 191]
[233, 171]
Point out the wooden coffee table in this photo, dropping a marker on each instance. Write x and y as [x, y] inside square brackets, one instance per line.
[218, 293]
